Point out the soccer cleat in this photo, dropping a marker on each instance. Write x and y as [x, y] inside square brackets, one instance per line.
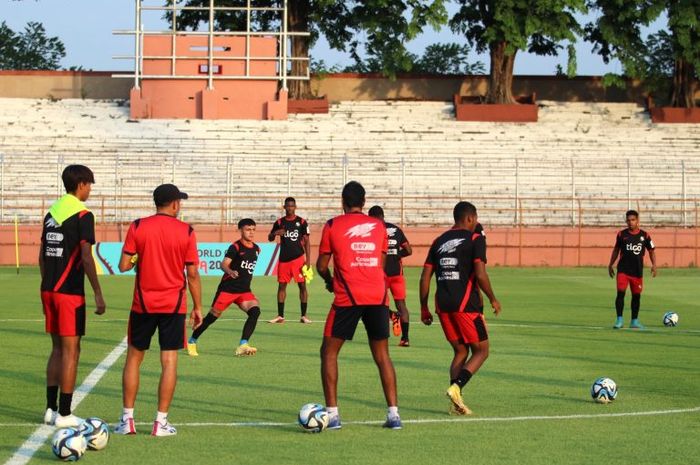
[305, 320]
[279, 319]
[618, 323]
[50, 417]
[192, 349]
[635, 324]
[395, 323]
[163, 429]
[404, 343]
[68, 421]
[334, 422]
[454, 393]
[125, 426]
[244, 350]
[393, 423]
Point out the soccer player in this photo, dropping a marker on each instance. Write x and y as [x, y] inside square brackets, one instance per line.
[358, 245]
[458, 259]
[65, 258]
[295, 255]
[398, 247]
[161, 247]
[630, 245]
[238, 265]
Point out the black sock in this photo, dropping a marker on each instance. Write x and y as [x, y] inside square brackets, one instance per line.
[64, 404]
[250, 323]
[620, 302]
[463, 378]
[636, 299]
[280, 309]
[303, 308]
[206, 322]
[52, 397]
[404, 330]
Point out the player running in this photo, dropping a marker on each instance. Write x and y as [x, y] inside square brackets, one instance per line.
[295, 258]
[358, 244]
[458, 259]
[398, 248]
[630, 245]
[65, 258]
[238, 266]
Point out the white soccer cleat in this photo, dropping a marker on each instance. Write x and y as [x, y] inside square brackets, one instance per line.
[69, 421]
[50, 417]
[305, 320]
[277, 320]
[163, 429]
[125, 426]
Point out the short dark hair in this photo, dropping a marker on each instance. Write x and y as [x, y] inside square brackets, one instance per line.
[634, 213]
[73, 175]
[246, 222]
[353, 194]
[289, 199]
[462, 210]
[376, 211]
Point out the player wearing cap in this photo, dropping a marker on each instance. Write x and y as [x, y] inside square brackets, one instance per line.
[161, 248]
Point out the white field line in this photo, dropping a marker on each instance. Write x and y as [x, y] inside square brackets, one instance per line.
[26, 451]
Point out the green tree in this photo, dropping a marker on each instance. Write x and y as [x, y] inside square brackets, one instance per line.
[450, 58]
[505, 27]
[30, 48]
[378, 28]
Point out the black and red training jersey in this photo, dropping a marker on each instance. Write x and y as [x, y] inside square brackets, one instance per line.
[452, 257]
[60, 248]
[243, 260]
[397, 241]
[632, 246]
[291, 245]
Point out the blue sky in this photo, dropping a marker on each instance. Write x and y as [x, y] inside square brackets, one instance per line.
[85, 27]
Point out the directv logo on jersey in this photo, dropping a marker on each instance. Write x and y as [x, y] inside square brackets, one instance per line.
[450, 246]
[249, 266]
[634, 248]
[54, 237]
[363, 247]
[361, 230]
[448, 262]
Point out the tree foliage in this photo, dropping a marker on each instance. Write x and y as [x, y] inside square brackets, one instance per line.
[30, 48]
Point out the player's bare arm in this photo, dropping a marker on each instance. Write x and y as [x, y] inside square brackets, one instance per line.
[41, 261]
[652, 257]
[306, 242]
[276, 233]
[613, 258]
[91, 273]
[194, 284]
[323, 270]
[226, 268]
[482, 278]
[424, 290]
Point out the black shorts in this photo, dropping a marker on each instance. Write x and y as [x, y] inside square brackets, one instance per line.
[171, 330]
[342, 321]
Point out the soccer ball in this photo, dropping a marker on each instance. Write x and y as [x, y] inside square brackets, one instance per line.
[313, 418]
[604, 390]
[68, 444]
[96, 433]
[670, 319]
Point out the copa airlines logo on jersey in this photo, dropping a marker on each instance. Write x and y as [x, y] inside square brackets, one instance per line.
[634, 248]
[361, 230]
[450, 246]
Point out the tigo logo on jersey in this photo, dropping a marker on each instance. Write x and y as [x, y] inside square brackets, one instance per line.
[249, 266]
[450, 246]
[634, 248]
[293, 235]
[363, 247]
[361, 230]
[54, 237]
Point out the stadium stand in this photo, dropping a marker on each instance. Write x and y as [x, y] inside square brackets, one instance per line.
[414, 155]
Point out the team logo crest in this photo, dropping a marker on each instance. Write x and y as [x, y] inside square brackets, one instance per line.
[450, 246]
[361, 230]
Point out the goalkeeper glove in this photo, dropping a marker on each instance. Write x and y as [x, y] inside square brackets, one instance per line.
[134, 259]
[308, 273]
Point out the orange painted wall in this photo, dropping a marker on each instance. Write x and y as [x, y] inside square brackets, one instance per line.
[555, 247]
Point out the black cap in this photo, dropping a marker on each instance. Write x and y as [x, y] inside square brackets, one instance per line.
[166, 193]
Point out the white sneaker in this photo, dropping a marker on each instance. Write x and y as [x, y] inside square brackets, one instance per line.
[69, 421]
[163, 429]
[50, 417]
[305, 320]
[125, 426]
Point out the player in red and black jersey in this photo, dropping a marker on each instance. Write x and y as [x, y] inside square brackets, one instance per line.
[630, 245]
[65, 258]
[358, 246]
[458, 260]
[163, 250]
[398, 248]
[295, 257]
[238, 266]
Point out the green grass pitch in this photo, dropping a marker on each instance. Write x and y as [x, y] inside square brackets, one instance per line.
[531, 399]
